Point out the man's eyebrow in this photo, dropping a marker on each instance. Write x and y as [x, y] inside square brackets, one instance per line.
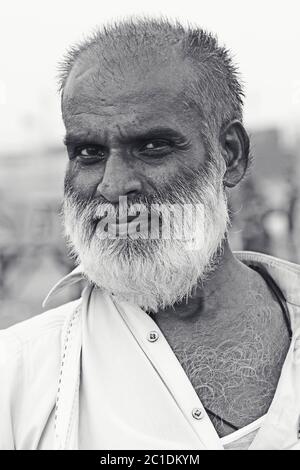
[71, 138]
[153, 133]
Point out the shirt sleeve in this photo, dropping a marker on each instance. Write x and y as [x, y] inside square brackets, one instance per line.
[10, 387]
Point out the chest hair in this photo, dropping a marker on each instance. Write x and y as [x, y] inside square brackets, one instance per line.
[234, 366]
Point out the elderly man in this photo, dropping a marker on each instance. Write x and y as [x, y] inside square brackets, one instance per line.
[176, 342]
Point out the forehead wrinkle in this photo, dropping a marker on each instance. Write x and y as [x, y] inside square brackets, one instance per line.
[125, 124]
[143, 104]
[138, 84]
[171, 109]
[84, 102]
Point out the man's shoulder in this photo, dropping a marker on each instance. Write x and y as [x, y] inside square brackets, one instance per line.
[42, 327]
[285, 273]
[30, 360]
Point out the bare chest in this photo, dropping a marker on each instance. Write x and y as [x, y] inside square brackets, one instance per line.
[233, 368]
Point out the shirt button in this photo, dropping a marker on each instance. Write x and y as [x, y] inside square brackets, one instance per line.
[152, 336]
[197, 413]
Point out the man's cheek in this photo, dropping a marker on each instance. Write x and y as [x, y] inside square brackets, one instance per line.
[83, 184]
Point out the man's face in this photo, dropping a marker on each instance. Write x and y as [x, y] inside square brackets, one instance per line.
[129, 137]
[133, 135]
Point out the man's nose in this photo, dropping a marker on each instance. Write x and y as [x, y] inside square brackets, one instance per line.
[118, 180]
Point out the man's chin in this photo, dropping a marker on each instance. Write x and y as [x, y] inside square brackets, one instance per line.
[151, 281]
[129, 247]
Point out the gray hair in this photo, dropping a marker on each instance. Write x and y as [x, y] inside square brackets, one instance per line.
[214, 87]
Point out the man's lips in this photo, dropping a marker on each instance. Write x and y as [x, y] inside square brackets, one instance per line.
[123, 224]
[116, 220]
[124, 220]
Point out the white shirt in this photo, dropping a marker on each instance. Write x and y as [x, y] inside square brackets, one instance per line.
[96, 373]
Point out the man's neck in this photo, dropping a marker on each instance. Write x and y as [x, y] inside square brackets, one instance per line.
[223, 289]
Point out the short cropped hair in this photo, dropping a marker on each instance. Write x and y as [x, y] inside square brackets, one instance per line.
[214, 87]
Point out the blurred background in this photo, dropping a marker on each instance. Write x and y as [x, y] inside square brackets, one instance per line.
[264, 38]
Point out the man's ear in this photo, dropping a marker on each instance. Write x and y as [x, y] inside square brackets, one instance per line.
[234, 142]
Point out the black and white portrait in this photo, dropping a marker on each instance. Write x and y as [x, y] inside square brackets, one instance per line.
[150, 226]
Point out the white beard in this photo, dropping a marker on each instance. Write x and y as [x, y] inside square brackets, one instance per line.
[154, 274]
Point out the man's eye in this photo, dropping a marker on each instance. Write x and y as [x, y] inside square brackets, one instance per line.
[90, 153]
[156, 146]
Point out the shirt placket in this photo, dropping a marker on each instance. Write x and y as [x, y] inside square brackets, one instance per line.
[152, 341]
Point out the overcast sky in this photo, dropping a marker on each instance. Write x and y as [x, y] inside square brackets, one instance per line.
[264, 36]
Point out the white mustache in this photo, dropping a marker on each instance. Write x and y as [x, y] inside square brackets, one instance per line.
[121, 211]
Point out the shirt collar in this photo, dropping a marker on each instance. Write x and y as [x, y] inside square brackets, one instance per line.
[284, 273]
[74, 276]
